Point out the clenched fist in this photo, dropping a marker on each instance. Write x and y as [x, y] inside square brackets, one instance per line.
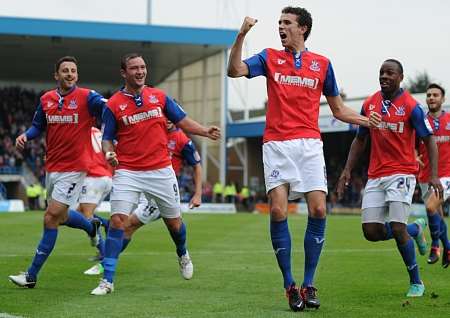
[247, 25]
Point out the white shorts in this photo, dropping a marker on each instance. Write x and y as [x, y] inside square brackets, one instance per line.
[445, 181]
[298, 162]
[160, 185]
[147, 211]
[64, 187]
[95, 189]
[379, 192]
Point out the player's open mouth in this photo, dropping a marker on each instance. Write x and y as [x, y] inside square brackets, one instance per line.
[283, 35]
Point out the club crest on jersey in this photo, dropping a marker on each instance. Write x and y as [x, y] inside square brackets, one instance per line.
[171, 144]
[122, 107]
[447, 127]
[49, 105]
[281, 61]
[153, 99]
[73, 104]
[275, 173]
[400, 111]
[371, 107]
[314, 66]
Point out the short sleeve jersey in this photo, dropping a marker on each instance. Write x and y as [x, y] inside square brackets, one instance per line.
[68, 120]
[99, 166]
[393, 141]
[295, 83]
[441, 131]
[138, 123]
[181, 149]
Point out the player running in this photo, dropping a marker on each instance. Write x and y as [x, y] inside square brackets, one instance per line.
[440, 122]
[393, 166]
[136, 117]
[66, 114]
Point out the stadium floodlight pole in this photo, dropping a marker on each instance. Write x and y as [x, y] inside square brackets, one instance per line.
[204, 142]
[223, 119]
[149, 12]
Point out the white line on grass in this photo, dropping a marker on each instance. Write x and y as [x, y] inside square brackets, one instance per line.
[6, 315]
[232, 252]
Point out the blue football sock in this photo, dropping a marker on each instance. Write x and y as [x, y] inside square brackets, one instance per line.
[313, 243]
[113, 246]
[101, 246]
[281, 243]
[105, 222]
[413, 229]
[409, 258]
[179, 238]
[43, 251]
[125, 243]
[434, 222]
[78, 221]
[388, 228]
[443, 236]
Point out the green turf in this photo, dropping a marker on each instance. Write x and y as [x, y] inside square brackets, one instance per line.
[235, 273]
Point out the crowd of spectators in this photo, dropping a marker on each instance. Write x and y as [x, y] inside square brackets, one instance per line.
[17, 106]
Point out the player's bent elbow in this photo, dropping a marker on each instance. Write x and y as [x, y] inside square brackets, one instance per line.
[232, 73]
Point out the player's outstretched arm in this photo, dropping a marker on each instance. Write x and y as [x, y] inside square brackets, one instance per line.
[190, 126]
[432, 150]
[237, 68]
[356, 150]
[348, 115]
[196, 199]
[38, 125]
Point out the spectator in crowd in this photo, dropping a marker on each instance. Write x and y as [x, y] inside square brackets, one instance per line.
[230, 193]
[207, 192]
[218, 192]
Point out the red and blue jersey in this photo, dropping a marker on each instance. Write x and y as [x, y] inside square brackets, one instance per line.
[68, 120]
[99, 166]
[441, 131]
[181, 149]
[295, 83]
[138, 123]
[393, 141]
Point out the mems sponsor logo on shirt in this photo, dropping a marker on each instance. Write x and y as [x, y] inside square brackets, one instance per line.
[62, 119]
[395, 127]
[441, 139]
[294, 80]
[142, 116]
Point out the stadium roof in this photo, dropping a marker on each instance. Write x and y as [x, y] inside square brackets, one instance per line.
[30, 47]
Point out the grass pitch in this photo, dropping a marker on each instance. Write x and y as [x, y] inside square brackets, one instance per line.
[235, 273]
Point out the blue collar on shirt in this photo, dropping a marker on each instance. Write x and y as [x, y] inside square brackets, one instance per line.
[436, 120]
[297, 57]
[137, 98]
[386, 103]
[61, 96]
